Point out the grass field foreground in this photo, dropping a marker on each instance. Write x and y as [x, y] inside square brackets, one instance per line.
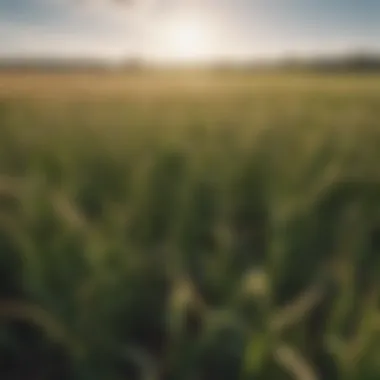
[200, 227]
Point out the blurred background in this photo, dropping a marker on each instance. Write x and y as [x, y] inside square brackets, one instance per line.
[189, 189]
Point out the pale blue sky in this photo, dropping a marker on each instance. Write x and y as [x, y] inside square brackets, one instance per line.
[238, 27]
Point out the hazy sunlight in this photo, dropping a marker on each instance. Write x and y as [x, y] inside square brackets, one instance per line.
[185, 38]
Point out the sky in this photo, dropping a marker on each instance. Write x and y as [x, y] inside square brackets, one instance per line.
[187, 29]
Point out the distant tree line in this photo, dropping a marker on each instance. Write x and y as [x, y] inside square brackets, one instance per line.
[350, 63]
[364, 63]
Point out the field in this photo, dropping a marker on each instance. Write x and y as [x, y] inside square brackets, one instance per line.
[189, 226]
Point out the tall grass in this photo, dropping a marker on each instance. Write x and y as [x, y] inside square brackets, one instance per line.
[226, 228]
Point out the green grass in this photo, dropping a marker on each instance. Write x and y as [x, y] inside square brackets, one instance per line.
[198, 228]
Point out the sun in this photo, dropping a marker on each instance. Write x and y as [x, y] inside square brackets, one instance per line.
[185, 38]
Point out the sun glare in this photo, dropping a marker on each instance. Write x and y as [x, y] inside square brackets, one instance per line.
[187, 41]
[185, 38]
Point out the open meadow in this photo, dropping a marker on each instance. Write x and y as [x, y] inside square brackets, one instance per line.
[189, 226]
